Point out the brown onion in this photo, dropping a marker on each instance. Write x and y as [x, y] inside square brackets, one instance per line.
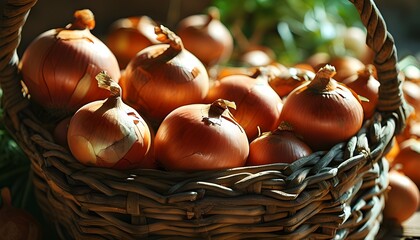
[278, 146]
[201, 137]
[365, 84]
[355, 44]
[109, 133]
[60, 131]
[206, 37]
[258, 106]
[127, 36]
[17, 223]
[256, 56]
[345, 66]
[411, 91]
[409, 159]
[163, 77]
[323, 112]
[286, 81]
[403, 197]
[60, 65]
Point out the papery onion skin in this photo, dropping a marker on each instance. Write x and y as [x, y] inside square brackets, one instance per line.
[60, 65]
[108, 133]
[163, 77]
[279, 146]
[188, 140]
[258, 106]
[323, 118]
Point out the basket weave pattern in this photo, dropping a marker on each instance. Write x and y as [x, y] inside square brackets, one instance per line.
[333, 194]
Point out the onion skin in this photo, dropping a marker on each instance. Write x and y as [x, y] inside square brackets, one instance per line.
[193, 138]
[323, 112]
[60, 132]
[286, 81]
[163, 77]
[206, 37]
[16, 223]
[279, 146]
[411, 91]
[403, 198]
[408, 158]
[127, 36]
[346, 66]
[366, 85]
[258, 105]
[60, 65]
[108, 133]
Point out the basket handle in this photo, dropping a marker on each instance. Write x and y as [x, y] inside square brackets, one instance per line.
[391, 101]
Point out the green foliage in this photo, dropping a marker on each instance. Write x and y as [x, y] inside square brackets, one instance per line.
[293, 29]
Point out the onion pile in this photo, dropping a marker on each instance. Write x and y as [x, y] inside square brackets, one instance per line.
[230, 121]
[60, 65]
[163, 77]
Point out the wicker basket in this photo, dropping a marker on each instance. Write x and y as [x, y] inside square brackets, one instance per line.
[337, 194]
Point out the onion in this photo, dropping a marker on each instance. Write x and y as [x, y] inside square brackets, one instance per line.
[127, 36]
[411, 130]
[163, 77]
[60, 65]
[287, 81]
[411, 73]
[365, 84]
[403, 197]
[278, 146]
[17, 223]
[60, 131]
[258, 105]
[109, 133]
[354, 39]
[206, 37]
[345, 66]
[256, 56]
[201, 137]
[408, 158]
[323, 112]
[411, 91]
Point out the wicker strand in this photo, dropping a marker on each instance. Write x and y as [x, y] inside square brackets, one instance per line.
[15, 14]
[382, 43]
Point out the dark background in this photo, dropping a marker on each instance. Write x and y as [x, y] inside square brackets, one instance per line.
[402, 16]
[49, 14]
